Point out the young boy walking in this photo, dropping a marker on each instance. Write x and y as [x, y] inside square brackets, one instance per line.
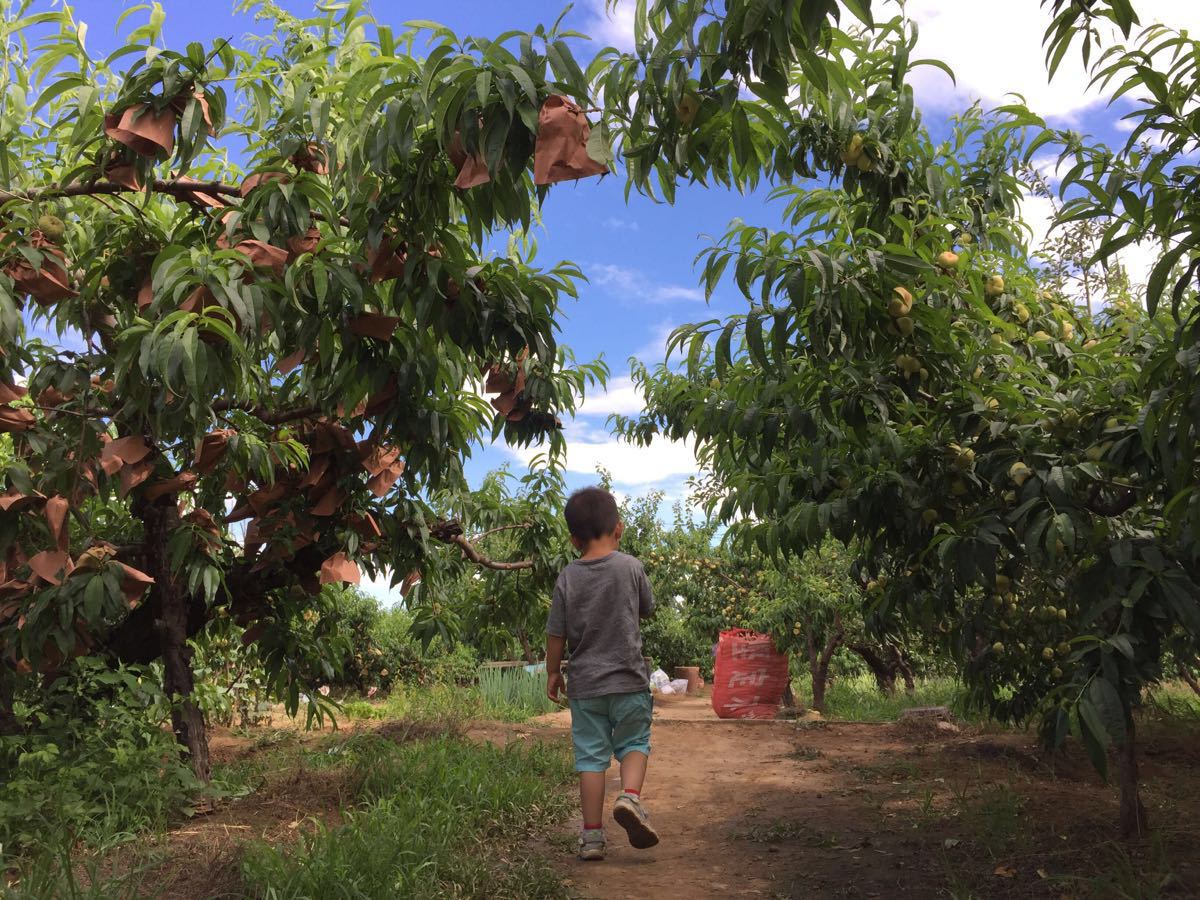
[598, 602]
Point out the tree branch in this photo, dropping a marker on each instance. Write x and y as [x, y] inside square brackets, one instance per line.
[266, 416]
[490, 531]
[181, 190]
[98, 188]
[479, 559]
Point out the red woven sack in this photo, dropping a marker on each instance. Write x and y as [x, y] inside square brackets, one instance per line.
[750, 677]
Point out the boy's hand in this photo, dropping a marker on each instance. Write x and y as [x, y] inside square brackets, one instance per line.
[554, 685]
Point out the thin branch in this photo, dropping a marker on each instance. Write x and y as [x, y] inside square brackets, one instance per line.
[84, 414]
[479, 559]
[96, 188]
[482, 535]
[266, 416]
[181, 190]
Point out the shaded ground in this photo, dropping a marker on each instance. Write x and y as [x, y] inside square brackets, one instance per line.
[814, 809]
[774, 809]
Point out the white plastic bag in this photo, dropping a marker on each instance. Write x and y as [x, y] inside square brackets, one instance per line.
[679, 685]
[659, 680]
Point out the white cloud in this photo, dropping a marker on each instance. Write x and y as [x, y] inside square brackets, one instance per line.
[613, 28]
[620, 398]
[995, 50]
[1038, 213]
[632, 466]
[612, 223]
[381, 589]
[654, 350]
[638, 287]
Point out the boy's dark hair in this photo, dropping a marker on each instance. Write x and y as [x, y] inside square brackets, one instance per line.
[591, 514]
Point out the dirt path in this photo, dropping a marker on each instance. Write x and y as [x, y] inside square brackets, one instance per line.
[782, 809]
[796, 809]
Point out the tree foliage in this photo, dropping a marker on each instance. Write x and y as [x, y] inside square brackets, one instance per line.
[246, 276]
[1021, 474]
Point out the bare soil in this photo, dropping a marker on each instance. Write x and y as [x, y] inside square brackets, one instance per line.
[815, 809]
[803, 808]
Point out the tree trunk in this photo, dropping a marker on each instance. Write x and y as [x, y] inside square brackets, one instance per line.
[789, 695]
[1190, 679]
[910, 685]
[161, 518]
[8, 722]
[818, 663]
[819, 679]
[525, 648]
[884, 671]
[1133, 813]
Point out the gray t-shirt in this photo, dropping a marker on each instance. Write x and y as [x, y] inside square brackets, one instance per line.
[596, 607]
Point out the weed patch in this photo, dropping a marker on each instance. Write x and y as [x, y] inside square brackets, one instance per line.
[434, 818]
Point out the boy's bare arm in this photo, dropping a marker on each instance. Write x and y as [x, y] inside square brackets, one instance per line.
[554, 654]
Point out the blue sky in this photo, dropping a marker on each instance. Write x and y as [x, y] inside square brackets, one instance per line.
[639, 256]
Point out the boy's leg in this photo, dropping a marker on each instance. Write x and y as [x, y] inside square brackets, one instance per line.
[593, 752]
[591, 798]
[631, 742]
[633, 771]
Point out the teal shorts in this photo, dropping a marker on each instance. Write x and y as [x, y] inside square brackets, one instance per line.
[608, 726]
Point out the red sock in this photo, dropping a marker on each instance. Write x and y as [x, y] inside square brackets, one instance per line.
[637, 794]
[587, 827]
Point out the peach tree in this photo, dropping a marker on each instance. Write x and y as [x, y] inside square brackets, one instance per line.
[250, 323]
[903, 378]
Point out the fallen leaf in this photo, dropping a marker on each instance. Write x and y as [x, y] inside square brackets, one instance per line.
[1005, 872]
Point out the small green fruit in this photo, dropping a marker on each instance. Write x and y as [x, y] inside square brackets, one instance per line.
[905, 326]
[52, 227]
[998, 647]
[994, 286]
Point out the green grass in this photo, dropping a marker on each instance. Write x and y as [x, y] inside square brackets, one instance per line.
[858, 698]
[1173, 700]
[436, 818]
[507, 695]
[514, 694]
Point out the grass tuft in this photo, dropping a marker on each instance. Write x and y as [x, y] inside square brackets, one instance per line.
[435, 818]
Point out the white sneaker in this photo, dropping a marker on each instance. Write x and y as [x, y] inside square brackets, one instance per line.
[629, 814]
[592, 844]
